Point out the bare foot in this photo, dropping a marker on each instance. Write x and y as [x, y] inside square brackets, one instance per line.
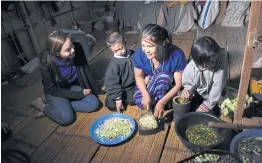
[38, 104]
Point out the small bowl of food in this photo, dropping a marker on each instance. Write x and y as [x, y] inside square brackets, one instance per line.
[147, 124]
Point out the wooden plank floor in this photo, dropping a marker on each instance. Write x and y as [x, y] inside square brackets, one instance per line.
[174, 150]
[138, 149]
[184, 41]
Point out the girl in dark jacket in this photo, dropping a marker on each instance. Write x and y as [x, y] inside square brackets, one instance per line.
[68, 83]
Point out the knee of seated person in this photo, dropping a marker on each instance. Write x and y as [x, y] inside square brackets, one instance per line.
[67, 120]
[76, 88]
[95, 104]
[138, 105]
[138, 102]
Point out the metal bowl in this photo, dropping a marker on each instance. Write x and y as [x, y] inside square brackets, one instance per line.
[195, 118]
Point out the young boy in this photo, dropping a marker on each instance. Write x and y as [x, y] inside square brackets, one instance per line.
[119, 78]
[208, 70]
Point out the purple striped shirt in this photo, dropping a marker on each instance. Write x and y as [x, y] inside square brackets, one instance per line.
[67, 70]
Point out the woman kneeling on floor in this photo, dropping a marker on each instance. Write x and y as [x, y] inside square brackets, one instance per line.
[158, 66]
[68, 84]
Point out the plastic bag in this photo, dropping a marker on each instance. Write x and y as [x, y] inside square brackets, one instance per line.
[186, 18]
[235, 14]
[209, 13]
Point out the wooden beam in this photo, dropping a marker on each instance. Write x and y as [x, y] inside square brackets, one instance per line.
[254, 17]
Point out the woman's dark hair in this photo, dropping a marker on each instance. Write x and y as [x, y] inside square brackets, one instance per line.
[205, 52]
[160, 36]
[157, 34]
[48, 58]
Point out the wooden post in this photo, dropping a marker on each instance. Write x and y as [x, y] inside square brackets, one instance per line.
[254, 17]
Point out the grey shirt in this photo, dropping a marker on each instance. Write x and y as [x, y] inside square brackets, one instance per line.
[210, 84]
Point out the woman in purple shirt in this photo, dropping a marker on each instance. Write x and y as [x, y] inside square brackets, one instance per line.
[68, 83]
[158, 66]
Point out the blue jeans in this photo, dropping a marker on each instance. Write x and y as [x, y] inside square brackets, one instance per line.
[62, 110]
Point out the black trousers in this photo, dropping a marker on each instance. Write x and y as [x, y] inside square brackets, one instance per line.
[127, 99]
[197, 100]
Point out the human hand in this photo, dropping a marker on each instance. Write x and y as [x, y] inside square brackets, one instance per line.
[201, 108]
[185, 93]
[147, 80]
[119, 105]
[146, 100]
[159, 109]
[87, 91]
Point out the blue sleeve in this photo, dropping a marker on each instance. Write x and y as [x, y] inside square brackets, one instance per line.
[179, 58]
[137, 61]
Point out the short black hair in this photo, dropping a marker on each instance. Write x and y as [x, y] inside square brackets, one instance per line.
[205, 51]
[114, 38]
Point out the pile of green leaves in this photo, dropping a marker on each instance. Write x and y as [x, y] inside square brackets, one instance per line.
[229, 105]
[201, 135]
